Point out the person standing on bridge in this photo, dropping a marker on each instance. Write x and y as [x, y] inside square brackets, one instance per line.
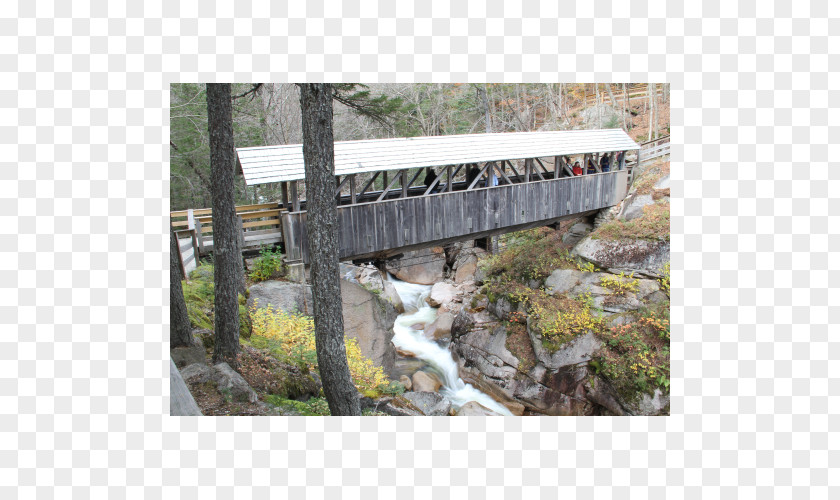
[605, 162]
[576, 169]
[472, 174]
[430, 178]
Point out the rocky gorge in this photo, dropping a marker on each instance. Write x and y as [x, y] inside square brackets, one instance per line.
[568, 320]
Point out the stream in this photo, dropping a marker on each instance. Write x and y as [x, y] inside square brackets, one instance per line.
[438, 359]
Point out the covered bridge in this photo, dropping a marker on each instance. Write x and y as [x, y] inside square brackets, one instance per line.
[395, 195]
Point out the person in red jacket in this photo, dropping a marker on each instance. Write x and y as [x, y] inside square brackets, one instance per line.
[576, 169]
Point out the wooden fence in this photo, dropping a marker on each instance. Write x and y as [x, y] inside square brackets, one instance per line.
[260, 225]
[187, 249]
[655, 148]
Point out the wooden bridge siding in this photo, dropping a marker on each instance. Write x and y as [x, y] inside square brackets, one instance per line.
[370, 228]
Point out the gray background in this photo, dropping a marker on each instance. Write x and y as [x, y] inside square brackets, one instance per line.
[83, 253]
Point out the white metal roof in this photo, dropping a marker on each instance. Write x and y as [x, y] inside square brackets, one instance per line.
[264, 164]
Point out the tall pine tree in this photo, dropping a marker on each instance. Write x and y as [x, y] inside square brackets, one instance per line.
[322, 235]
[227, 253]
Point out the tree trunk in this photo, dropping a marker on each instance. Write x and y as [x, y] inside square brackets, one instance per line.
[650, 114]
[322, 236]
[482, 92]
[226, 251]
[598, 103]
[655, 112]
[626, 111]
[612, 101]
[180, 334]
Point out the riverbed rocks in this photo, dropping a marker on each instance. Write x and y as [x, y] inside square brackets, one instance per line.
[431, 404]
[475, 409]
[400, 406]
[465, 268]
[424, 267]
[485, 349]
[442, 294]
[373, 280]
[425, 382]
[441, 327]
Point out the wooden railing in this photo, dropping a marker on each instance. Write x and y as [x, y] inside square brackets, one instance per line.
[260, 224]
[187, 249]
[655, 148]
[374, 229]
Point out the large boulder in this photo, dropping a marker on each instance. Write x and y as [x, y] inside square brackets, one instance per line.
[425, 382]
[226, 379]
[475, 409]
[402, 407]
[646, 257]
[431, 404]
[441, 327]
[485, 350]
[577, 232]
[646, 404]
[578, 350]
[197, 373]
[266, 374]
[369, 319]
[462, 324]
[442, 294]
[563, 280]
[281, 295]
[181, 401]
[374, 280]
[423, 267]
[185, 356]
[465, 268]
[633, 206]
[611, 300]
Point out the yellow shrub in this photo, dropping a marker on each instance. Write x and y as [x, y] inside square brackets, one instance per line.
[294, 337]
[366, 375]
[620, 284]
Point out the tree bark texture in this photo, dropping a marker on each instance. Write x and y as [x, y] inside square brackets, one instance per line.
[322, 236]
[227, 253]
[482, 92]
[180, 334]
[650, 115]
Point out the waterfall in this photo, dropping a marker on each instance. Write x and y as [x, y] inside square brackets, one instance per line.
[438, 358]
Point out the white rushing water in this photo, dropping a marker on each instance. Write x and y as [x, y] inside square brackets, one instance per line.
[438, 358]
